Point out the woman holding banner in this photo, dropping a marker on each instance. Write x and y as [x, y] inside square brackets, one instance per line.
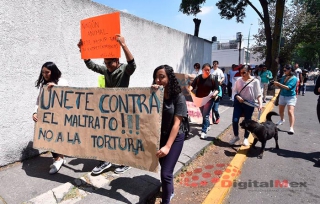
[50, 75]
[247, 90]
[204, 84]
[172, 136]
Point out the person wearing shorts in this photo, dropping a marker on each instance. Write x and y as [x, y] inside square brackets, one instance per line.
[288, 97]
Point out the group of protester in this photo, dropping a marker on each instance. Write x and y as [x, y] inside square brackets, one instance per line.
[118, 74]
[245, 90]
[246, 87]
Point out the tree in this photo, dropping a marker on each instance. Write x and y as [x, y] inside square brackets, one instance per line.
[295, 20]
[236, 8]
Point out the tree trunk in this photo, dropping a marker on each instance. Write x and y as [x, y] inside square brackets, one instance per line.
[277, 36]
[196, 26]
[267, 31]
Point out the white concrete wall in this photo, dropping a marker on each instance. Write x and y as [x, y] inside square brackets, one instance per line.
[35, 31]
[231, 56]
[227, 57]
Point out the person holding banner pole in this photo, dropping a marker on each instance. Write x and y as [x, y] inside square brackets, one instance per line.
[204, 84]
[116, 75]
[247, 89]
[50, 75]
[172, 136]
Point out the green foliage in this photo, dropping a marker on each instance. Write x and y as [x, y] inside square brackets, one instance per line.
[191, 7]
[313, 6]
[231, 8]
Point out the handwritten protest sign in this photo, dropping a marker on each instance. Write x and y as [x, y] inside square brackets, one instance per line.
[99, 38]
[194, 112]
[185, 81]
[120, 125]
[201, 101]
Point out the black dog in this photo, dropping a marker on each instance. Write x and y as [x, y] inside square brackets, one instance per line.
[262, 132]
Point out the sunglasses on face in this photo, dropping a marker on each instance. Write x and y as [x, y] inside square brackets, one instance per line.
[243, 72]
[285, 70]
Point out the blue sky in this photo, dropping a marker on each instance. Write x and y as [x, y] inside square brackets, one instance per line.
[166, 12]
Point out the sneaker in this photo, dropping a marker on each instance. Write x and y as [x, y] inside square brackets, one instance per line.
[121, 169]
[291, 131]
[217, 121]
[246, 142]
[208, 128]
[56, 166]
[234, 140]
[203, 135]
[64, 162]
[280, 122]
[172, 195]
[103, 165]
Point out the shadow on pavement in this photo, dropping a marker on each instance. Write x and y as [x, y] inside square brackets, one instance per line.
[38, 167]
[136, 186]
[117, 189]
[220, 143]
[313, 157]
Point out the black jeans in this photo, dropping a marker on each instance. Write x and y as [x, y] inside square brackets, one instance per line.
[229, 89]
[167, 164]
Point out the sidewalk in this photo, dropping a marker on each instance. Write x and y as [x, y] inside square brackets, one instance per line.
[29, 181]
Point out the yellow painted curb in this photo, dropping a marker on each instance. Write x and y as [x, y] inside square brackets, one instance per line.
[223, 186]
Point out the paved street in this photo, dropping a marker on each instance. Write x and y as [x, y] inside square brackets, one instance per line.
[297, 162]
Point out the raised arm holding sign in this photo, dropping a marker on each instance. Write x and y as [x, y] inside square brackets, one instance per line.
[116, 74]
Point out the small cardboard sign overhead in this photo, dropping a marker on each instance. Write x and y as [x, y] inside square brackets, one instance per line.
[99, 38]
[119, 125]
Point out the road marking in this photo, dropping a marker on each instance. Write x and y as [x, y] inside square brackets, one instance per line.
[220, 191]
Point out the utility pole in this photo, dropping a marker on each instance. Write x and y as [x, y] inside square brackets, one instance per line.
[247, 58]
[239, 40]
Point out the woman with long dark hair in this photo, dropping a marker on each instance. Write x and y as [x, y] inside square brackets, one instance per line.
[172, 136]
[50, 75]
[287, 84]
[247, 90]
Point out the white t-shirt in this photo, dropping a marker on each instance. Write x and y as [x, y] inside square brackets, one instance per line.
[250, 92]
[197, 72]
[298, 71]
[218, 72]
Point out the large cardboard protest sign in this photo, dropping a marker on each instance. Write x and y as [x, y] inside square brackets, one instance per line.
[99, 38]
[120, 125]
